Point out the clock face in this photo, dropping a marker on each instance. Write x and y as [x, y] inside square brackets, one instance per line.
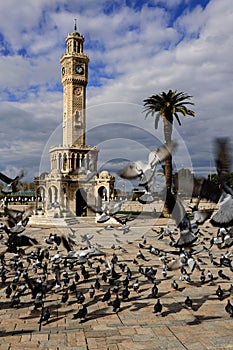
[79, 69]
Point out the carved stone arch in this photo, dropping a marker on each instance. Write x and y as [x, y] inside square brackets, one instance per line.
[104, 181]
[41, 193]
[53, 195]
[103, 194]
[40, 196]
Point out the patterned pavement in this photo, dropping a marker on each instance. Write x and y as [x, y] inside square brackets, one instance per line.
[135, 325]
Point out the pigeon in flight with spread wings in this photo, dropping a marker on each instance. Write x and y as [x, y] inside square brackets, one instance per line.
[16, 219]
[10, 184]
[224, 216]
[189, 228]
[146, 170]
[188, 231]
[209, 191]
[107, 210]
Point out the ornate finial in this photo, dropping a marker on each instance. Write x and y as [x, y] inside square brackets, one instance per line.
[75, 25]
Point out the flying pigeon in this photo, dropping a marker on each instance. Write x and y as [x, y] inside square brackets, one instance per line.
[11, 184]
[224, 216]
[146, 171]
[188, 232]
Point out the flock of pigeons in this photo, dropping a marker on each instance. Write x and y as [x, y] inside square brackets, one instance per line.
[85, 276]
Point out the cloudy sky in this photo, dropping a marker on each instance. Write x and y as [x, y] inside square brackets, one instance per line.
[136, 49]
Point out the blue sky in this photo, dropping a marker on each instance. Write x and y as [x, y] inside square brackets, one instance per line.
[136, 49]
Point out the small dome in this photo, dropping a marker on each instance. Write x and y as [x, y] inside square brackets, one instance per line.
[104, 174]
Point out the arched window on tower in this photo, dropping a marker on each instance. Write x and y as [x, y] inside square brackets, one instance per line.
[75, 46]
[64, 165]
[68, 46]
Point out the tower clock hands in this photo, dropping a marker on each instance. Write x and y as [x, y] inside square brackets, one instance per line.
[79, 69]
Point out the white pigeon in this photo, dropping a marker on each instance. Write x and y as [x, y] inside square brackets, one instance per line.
[146, 170]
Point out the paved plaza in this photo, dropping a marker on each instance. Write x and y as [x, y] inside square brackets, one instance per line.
[135, 326]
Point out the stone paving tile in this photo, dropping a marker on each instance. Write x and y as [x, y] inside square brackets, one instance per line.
[116, 339]
[197, 346]
[112, 347]
[4, 346]
[129, 331]
[74, 339]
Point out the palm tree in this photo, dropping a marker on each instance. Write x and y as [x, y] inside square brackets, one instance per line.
[166, 106]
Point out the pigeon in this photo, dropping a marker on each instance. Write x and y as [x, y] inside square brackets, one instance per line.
[45, 315]
[136, 286]
[206, 189]
[188, 302]
[15, 301]
[224, 215]
[11, 185]
[107, 210]
[150, 273]
[122, 266]
[230, 290]
[154, 251]
[91, 291]
[174, 285]
[125, 293]
[223, 276]
[8, 291]
[14, 241]
[65, 296]
[86, 238]
[128, 273]
[38, 300]
[201, 216]
[82, 313]
[219, 293]
[76, 276]
[115, 275]
[125, 282]
[145, 171]
[188, 233]
[80, 298]
[116, 304]
[106, 296]
[154, 291]
[123, 219]
[16, 220]
[202, 277]
[210, 275]
[229, 308]
[114, 259]
[158, 307]
[225, 261]
[140, 255]
[97, 284]
[191, 263]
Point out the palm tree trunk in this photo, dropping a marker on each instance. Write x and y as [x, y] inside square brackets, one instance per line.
[168, 124]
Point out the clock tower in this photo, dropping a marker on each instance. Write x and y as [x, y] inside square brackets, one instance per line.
[74, 70]
[72, 181]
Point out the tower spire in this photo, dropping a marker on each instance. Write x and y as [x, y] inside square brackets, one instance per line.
[75, 24]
